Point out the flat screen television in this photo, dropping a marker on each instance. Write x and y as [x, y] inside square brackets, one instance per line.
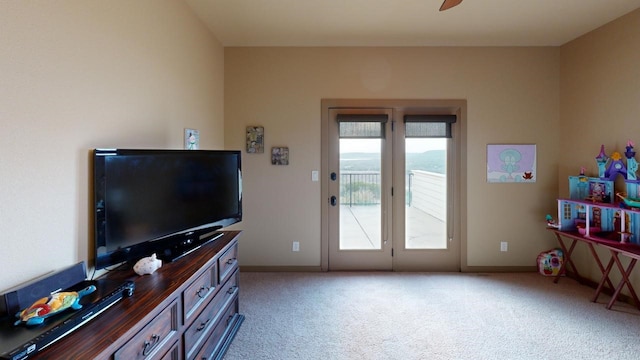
[168, 202]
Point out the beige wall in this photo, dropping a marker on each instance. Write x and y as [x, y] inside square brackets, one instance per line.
[512, 97]
[77, 75]
[600, 104]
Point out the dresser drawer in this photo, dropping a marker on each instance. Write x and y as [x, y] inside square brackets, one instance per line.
[173, 353]
[201, 327]
[147, 343]
[214, 342]
[199, 292]
[228, 262]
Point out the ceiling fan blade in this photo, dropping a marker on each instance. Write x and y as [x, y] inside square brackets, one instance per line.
[448, 4]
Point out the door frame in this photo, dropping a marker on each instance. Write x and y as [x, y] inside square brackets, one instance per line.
[459, 107]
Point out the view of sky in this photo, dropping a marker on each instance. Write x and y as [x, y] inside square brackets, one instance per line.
[373, 145]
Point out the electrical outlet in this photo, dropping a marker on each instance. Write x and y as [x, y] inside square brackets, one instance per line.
[504, 246]
[296, 246]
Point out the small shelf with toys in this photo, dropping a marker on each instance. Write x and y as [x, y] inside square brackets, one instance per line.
[595, 210]
[596, 215]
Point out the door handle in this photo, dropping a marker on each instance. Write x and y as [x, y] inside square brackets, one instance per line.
[334, 201]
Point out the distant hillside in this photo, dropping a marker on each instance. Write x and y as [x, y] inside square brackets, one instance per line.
[433, 160]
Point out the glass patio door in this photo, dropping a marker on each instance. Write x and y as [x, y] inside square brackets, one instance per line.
[360, 189]
[390, 184]
[423, 159]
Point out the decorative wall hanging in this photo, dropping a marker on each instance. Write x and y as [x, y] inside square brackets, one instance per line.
[255, 139]
[509, 163]
[280, 156]
[191, 139]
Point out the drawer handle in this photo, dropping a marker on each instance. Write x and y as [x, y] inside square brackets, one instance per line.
[230, 261]
[232, 290]
[149, 345]
[202, 292]
[229, 319]
[203, 325]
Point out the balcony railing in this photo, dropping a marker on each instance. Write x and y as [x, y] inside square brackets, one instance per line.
[425, 190]
[425, 210]
[360, 188]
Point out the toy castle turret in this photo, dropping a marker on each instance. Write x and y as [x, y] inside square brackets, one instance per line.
[632, 164]
[616, 165]
[602, 160]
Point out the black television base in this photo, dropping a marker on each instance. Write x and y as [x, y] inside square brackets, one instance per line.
[186, 247]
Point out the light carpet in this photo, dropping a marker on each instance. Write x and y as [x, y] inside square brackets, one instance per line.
[397, 315]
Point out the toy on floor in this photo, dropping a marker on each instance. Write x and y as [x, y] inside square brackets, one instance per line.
[550, 262]
[51, 305]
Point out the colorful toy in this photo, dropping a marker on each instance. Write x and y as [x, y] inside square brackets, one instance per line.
[602, 160]
[551, 222]
[550, 262]
[591, 189]
[52, 305]
[629, 201]
[632, 164]
[616, 165]
[593, 211]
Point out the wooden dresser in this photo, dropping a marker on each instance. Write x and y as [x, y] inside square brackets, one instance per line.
[187, 309]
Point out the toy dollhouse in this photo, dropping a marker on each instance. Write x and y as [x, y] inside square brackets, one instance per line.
[595, 210]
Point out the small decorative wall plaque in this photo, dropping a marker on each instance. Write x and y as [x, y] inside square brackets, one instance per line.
[255, 139]
[280, 156]
[191, 139]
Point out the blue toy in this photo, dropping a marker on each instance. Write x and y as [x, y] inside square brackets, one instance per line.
[601, 160]
[632, 164]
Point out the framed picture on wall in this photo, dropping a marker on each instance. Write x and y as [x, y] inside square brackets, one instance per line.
[255, 139]
[511, 163]
[280, 156]
[191, 139]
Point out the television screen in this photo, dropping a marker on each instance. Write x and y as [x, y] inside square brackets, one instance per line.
[149, 200]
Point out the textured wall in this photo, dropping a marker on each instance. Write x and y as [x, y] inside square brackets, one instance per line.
[512, 97]
[77, 75]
